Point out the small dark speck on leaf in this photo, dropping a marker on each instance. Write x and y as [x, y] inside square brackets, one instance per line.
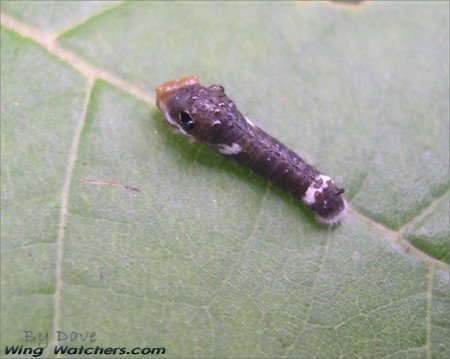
[92, 182]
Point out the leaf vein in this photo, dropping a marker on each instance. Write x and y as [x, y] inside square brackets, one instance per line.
[47, 42]
[64, 205]
[326, 248]
[426, 210]
[431, 273]
[397, 237]
[92, 16]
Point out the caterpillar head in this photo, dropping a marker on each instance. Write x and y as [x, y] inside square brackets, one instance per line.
[195, 111]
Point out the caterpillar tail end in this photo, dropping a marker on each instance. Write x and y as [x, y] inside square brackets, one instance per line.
[325, 200]
[335, 218]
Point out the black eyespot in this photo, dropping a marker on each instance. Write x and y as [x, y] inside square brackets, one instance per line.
[186, 121]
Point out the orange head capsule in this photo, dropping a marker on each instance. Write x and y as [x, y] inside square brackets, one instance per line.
[164, 91]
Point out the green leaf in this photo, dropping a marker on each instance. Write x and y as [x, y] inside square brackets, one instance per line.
[205, 259]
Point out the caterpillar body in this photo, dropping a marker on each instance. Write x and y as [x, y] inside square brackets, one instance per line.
[207, 115]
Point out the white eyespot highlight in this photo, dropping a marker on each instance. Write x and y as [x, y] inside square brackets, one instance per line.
[169, 119]
[335, 219]
[318, 185]
[249, 122]
[232, 149]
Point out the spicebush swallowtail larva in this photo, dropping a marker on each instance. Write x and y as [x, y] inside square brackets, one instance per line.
[207, 115]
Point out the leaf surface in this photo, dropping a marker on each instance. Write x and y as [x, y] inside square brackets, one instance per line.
[207, 259]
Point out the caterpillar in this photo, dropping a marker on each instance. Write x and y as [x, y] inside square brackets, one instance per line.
[207, 115]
